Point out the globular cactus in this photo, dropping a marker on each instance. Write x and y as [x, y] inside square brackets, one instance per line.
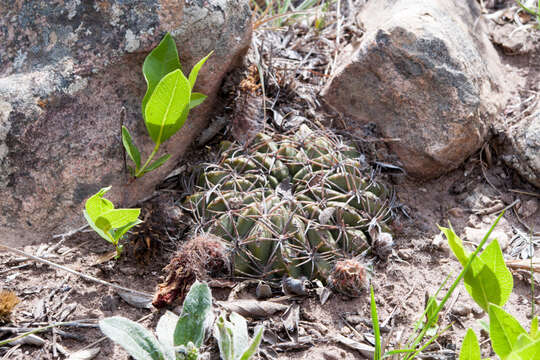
[291, 204]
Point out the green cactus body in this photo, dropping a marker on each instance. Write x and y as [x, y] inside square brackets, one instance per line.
[290, 205]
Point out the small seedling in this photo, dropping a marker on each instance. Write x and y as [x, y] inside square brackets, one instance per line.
[110, 223]
[166, 104]
[233, 339]
[178, 337]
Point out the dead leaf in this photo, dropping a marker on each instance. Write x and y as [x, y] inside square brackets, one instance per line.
[28, 340]
[136, 300]
[292, 317]
[105, 257]
[253, 308]
[86, 354]
[364, 349]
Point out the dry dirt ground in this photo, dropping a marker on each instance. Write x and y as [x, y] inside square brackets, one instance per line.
[469, 197]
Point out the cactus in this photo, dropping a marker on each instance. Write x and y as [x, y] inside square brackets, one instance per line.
[291, 204]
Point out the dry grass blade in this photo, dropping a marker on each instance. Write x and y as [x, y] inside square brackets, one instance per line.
[60, 267]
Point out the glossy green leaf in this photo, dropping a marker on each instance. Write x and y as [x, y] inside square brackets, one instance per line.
[375, 323]
[166, 106]
[254, 345]
[195, 71]
[470, 349]
[121, 231]
[456, 245]
[196, 308]
[492, 256]
[160, 62]
[117, 218]
[100, 232]
[529, 350]
[131, 148]
[196, 99]
[134, 338]
[504, 331]
[96, 204]
[488, 280]
[482, 284]
[535, 334]
[157, 163]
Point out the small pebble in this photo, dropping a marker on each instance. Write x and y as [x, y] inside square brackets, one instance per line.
[354, 319]
[461, 310]
[456, 212]
[405, 254]
[345, 331]
[319, 327]
[477, 312]
[263, 290]
[334, 354]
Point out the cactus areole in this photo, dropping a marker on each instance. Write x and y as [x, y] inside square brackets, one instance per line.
[291, 204]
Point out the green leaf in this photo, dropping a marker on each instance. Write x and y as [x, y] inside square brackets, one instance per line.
[223, 336]
[482, 284]
[196, 99]
[96, 204]
[100, 232]
[504, 330]
[195, 71]
[376, 329]
[166, 105]
[131, 148]
[431, 310]
[530, 350]
[456, 245]
[161, 61]
[534, 328]
[117, 218]
[118, 233]
[470, 349]
[133, 337]
[488, 280]
[240, 333]
[197, 306]
[254, 345]
[493, 258]
[157, 163]
[165, 328]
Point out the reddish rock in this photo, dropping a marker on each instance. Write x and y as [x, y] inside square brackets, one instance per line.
[66, 72]
[426, 74]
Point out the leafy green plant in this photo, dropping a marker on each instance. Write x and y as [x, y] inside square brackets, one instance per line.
[110, 223]
[178, 337]
[166, 104]
[233, 339]
[489, 282]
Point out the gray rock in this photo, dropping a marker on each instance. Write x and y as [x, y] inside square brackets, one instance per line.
[523, 146]
[424, 73]
[66, 71]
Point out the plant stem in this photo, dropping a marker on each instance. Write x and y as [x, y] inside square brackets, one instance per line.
[34, 331]
[154, 152]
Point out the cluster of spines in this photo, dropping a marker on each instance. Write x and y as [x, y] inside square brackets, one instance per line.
[291, 204]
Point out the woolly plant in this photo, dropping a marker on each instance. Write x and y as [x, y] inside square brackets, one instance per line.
[292, 204]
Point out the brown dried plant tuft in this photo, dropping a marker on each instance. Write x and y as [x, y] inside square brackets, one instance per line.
[8, 301]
